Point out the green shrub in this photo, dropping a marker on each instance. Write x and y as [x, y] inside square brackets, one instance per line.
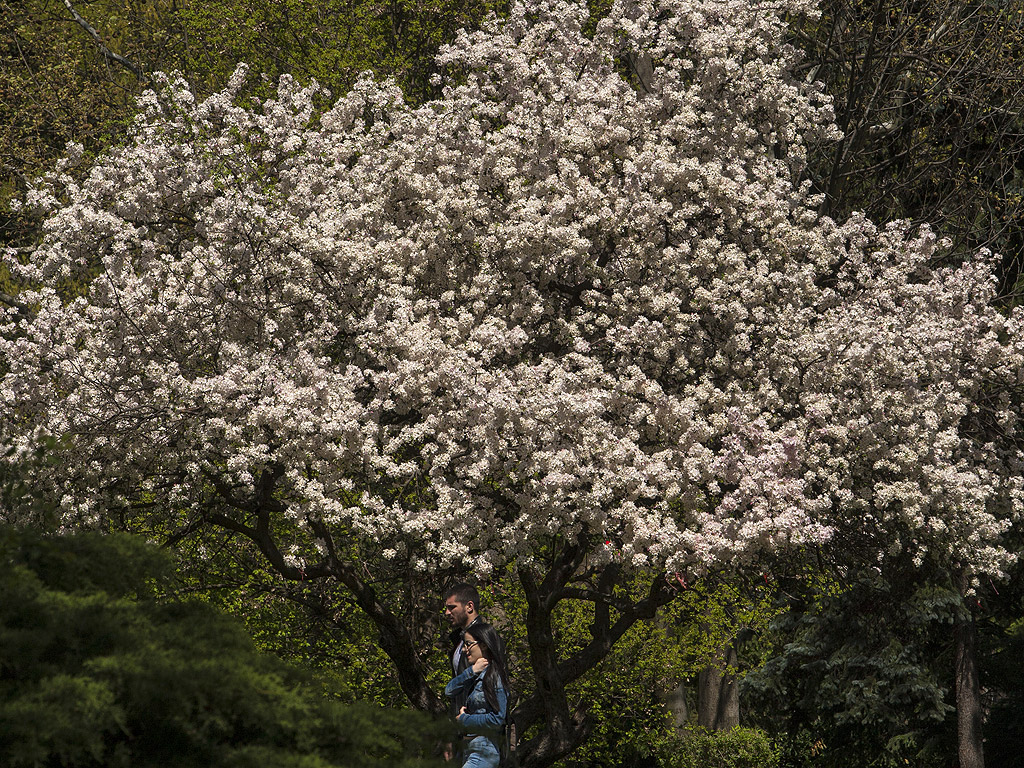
[701, 748]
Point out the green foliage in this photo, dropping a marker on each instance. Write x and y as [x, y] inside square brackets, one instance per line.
[716, 612]
[19, 501]
[861, 673]
[57, 86]
[95, 672]
[315, 625]
[328, 41]
[701, 748]
[622, 697]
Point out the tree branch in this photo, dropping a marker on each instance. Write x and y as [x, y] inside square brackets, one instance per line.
[395, 638]
[14, 301]
[606, 634]
[107, 53]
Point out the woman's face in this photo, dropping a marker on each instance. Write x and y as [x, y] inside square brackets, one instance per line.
[472, 648]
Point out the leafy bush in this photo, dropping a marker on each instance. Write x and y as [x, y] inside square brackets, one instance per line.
[860, 678]
[702, 748]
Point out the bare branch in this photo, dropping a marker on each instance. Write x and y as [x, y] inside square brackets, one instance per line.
[107, 53]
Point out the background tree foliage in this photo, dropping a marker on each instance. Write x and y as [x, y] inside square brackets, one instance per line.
[310, 624]
[862, 670]
[929, 96]
[57, 85]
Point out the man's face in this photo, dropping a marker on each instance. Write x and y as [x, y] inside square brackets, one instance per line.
[456, 612]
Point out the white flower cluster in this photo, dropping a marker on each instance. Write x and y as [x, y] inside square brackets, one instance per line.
[556, 302]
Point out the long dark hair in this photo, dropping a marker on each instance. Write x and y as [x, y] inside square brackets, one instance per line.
[494, 651]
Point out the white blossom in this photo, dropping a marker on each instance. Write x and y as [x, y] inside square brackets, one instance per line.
[556, 301]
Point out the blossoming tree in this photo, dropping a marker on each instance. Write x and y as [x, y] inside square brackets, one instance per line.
[578, 317]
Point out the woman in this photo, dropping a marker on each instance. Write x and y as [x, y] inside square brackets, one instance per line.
[485, 684]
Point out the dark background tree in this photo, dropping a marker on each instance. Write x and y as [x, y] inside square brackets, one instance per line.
[929, 95]
[96, 671]
[862, 673]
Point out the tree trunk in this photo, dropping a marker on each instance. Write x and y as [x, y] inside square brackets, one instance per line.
[563, 729]
[968, 690]
[676, 703]
[563, 725]
[718, 696]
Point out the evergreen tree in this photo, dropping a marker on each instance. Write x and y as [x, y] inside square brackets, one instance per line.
[95, 671]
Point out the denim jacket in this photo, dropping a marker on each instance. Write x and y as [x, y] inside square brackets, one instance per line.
[479, 717]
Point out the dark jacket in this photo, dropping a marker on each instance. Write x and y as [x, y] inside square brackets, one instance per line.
[454, 641]
[459, 664]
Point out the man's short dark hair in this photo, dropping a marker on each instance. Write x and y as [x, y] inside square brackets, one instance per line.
[464, 593]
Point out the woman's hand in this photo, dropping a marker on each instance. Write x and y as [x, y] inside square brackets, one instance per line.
[480, 664]
[461, 713]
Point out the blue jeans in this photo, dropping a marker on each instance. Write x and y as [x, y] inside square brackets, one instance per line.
[480, 752]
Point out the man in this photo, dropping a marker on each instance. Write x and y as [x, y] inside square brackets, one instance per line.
[460, 606]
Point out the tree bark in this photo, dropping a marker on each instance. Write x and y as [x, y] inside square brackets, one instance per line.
[718, 696]
[969, 713]
[677, 707]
